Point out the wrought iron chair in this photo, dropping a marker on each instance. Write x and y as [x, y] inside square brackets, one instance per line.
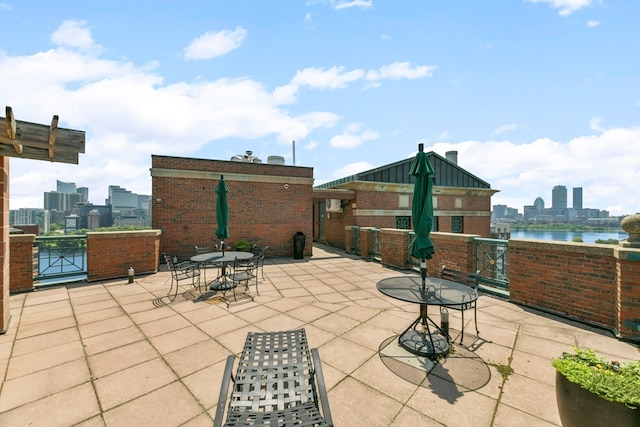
[469, 279]
[260, 254]
[278, 382]
[181, 271]
[244, 270]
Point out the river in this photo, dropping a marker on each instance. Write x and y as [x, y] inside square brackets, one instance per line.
[567, 236]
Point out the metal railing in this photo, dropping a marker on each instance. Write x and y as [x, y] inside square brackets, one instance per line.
[375, 244]
[355, 240]
[492, 264]
[60, 259]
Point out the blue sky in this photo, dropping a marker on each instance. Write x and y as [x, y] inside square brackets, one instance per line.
[531, 94]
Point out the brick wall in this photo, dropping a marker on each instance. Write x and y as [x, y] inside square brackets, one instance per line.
[109, 255]
[268, 204]
[22, 262]
[394, 247]
[591, 282]
[569, 278]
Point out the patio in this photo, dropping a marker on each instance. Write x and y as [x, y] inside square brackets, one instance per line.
[112, 354]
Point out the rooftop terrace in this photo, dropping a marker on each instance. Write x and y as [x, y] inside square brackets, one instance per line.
[113, 354]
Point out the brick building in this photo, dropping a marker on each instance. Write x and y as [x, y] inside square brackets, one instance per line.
[381, 198]
[269, 203]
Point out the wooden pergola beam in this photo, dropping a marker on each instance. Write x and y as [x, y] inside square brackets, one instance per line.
[12, 128]
[39, 142]
[53, 129]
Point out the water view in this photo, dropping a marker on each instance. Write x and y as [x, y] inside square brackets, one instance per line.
[568, 236]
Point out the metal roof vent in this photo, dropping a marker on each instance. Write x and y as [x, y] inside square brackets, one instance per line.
[248, 157]
[275, 160]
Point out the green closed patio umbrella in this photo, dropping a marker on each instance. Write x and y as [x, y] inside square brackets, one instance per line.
[222, 212]
[422, 210]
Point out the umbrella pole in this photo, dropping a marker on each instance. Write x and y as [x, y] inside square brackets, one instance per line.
[423, 271]
[222, 244]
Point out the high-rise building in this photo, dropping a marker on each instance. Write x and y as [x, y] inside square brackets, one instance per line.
[559, 200]
[577, 198]
[54, 201]
[85, 193]
[539, 205]
[121, 198]
[498, 211]
[66, 187]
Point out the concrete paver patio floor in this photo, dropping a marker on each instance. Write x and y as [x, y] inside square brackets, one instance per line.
[116, 354]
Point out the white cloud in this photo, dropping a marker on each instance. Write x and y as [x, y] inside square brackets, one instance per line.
[346, 4]
[567, 7]
[443, 135]
[311, 145]
[352, 137]
[339, 78]
[591, 23]
[74, 34]
[213, 44]
[594, 124]
[504, 128]
[400, 70]
[352, 169]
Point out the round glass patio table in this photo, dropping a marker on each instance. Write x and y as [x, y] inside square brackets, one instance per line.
[221, 258]
[435, 292]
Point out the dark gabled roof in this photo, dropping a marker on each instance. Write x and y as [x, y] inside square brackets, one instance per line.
[447, 174]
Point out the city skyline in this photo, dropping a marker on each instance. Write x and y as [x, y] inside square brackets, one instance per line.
[541, 205]
[530, 93]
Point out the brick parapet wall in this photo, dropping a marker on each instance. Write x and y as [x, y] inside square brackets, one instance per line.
[596, 283]
[454, 250]
[22, 259]
[366, 242]
[394, 247]
[109, 255]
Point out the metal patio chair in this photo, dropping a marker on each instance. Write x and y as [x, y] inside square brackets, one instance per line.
[278, 382]
[260, 254]
[244, 270]
[469, 279]
[181, 271]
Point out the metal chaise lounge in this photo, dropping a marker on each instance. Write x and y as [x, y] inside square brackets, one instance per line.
[278, 382]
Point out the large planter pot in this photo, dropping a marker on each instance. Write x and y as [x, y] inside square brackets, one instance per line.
[581, 408]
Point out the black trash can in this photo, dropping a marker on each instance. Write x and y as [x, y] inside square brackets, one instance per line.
[298, 245]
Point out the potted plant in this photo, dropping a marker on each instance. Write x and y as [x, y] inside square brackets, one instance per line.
[591, 391]
[244, 245]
